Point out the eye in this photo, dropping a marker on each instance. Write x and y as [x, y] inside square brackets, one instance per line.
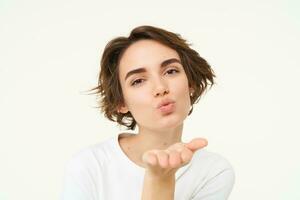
[171, 70]
[137, 81]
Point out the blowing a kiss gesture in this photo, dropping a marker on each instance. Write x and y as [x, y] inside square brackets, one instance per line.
[165, 163]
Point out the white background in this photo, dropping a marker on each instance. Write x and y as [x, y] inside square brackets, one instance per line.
[50, 53]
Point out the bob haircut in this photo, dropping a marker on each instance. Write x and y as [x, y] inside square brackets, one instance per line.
[198, 71]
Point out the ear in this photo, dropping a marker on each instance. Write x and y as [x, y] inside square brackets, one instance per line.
[191, 90]
[123, 109]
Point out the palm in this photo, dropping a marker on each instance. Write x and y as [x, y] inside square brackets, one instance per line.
[167, 162]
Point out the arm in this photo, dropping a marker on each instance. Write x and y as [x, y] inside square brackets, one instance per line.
[158, 188]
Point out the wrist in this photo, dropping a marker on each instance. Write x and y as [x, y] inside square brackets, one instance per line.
[170, 174]
[159, 178]
[158, 188]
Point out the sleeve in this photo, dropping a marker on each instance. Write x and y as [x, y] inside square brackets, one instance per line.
[219, 184]
[79, 180]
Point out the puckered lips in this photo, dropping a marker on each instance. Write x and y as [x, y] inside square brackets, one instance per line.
[166, 106]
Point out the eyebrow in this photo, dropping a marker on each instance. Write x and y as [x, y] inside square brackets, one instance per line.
[162, 65]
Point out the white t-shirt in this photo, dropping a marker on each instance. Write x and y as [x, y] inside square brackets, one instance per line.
[104, 172]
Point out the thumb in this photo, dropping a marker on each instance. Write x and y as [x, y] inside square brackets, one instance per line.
[196, 143]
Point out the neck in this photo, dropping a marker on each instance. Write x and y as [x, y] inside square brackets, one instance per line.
[155, 139]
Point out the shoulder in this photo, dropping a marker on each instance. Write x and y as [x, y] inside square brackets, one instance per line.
[211, 160]
[212, 164]
[89, 157]
[216, 172]
[84, 172]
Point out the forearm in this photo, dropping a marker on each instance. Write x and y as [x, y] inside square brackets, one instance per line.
[158, 188]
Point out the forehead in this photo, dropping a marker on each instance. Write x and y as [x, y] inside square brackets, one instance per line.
[145, 53]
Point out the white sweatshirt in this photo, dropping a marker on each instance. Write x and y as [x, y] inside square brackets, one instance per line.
[104, 172]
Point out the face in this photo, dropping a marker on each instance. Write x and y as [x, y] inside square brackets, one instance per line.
[161, 77]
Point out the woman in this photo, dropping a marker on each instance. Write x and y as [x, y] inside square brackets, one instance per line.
[151, 80]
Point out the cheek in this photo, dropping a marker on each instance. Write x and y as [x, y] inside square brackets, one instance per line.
[138, 102]
[186, 103]
[183, 95]
[181, 87]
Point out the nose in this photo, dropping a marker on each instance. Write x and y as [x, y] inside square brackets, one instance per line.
[160, 88]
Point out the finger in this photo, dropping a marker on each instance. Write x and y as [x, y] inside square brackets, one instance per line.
[175, 159]
[163, 159]
[186, 155]
[196, 143]
[150, 158]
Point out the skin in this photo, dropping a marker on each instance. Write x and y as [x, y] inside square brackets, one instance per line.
[159, 180]
[157, 146]
[164, 163]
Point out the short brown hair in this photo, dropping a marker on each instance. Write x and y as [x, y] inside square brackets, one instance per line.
[198, 71]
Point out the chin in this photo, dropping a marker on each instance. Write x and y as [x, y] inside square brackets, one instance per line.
[170, 121]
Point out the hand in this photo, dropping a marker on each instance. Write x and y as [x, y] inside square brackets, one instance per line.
[164, 163]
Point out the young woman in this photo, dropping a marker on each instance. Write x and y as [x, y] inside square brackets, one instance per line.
[151, 80]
